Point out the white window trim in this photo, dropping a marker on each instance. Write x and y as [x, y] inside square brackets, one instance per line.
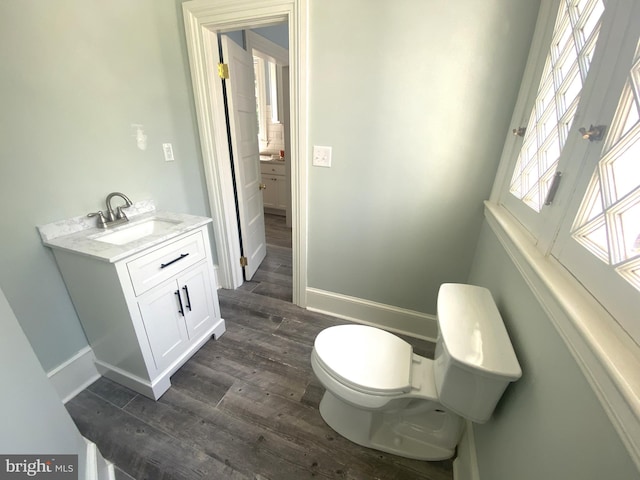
[268, 50]
[261, 99]
[608, 357]
[522, 110]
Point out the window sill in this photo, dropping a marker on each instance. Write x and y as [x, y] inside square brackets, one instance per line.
[608, 357]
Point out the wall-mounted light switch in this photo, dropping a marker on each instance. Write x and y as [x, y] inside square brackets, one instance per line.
[168, 152]
[321, 156]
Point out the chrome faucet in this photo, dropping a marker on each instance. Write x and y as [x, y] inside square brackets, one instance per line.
[112, 218]
[119, 215]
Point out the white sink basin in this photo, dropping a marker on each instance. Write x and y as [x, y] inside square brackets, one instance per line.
[136, 231]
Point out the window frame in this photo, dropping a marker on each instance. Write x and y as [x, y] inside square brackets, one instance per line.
[607, 355]
[544, 225]
[267, 51]
[615, 293]
[261, 96]
[534, 69]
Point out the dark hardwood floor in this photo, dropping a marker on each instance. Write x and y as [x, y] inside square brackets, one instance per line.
[245, 406]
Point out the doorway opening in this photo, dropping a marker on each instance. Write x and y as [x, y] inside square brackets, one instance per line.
[257, 103]
[203, 22]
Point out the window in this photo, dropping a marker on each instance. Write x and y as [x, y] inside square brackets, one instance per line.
[580, 254]
[608, 222]
[268, 83]
[566, 66]
[269, 60]
[261, 100]
[590, 76]
[599, 240]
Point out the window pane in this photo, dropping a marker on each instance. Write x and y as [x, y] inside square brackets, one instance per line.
[625, 170]
[627, 223]
[618, 186]
[632, 118]
[572, 87]
[568, 60]
[594, 238]
[589, 22]
[591, 204]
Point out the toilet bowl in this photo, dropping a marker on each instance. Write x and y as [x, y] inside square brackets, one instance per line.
[381, 395]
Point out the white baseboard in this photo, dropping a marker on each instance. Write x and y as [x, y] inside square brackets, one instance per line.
[154, 388]
[74, 375]
[133, 382]
[394, 319]
[97, 468]
[465, 466]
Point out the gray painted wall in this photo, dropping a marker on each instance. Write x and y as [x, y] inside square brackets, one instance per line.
[415, 99]
[278, 34]
[35, 422]
[399, 91]
[75, 75]
[549, 424]
[413, 96]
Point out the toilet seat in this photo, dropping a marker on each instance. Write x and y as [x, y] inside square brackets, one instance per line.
[366, 359]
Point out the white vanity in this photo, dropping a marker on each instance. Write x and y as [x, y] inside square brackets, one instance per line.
[145, 292]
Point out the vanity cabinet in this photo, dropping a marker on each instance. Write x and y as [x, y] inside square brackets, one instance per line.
[176, 313]
[146, 314]
[273, 177]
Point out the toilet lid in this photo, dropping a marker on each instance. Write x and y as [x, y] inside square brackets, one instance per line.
[365, 358]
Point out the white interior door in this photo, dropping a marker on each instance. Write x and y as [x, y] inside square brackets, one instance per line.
[243, 123]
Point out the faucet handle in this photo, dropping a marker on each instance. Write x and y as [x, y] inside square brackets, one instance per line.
[102, 223]
[120, 213]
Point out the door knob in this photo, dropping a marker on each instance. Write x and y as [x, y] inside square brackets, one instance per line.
[262, 186]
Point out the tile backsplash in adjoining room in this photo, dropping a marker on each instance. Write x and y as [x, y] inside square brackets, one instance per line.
[275, 138]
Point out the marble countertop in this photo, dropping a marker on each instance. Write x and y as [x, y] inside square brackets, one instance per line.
[271, 159]
[78, 235]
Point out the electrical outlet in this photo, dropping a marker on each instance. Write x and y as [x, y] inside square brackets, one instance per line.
[321, 156]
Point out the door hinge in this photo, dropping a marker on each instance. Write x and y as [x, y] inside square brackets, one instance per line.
[243, 261]
[223, 70]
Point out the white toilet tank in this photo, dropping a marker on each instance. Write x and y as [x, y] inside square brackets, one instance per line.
[474, 360]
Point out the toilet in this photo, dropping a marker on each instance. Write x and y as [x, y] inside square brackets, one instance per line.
[381, 395]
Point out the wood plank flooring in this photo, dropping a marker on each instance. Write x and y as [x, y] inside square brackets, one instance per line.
[245, 406]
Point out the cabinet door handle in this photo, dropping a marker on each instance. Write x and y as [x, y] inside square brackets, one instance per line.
[183, 255]
[180, 310]
[186, 292]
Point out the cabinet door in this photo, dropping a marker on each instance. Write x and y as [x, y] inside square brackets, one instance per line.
[165, 326]
[197, 293]
[270, 194]
[275, 195]
[281, 192]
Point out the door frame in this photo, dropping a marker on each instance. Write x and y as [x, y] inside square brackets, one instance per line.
[204, 19]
